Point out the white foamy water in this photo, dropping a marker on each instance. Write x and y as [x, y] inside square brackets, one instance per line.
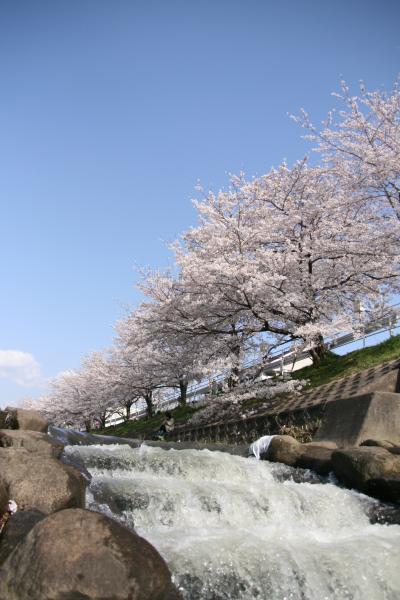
[230, 529]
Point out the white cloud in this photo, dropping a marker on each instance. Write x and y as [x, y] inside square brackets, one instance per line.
[20, 367]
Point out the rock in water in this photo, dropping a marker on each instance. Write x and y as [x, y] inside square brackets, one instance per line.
[356, 467]
[18, 526]
[33, 441]
[81, 554]
[284, 449]
[40, 482]
[385, 488]
[317, 458]
[20, 418]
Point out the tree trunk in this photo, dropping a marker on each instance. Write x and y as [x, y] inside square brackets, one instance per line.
[183, 386]
[128, 411]
[317, 352]
[87, 425]
[149, 403]
[233, 379]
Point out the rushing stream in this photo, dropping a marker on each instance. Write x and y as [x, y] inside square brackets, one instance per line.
[234, 528]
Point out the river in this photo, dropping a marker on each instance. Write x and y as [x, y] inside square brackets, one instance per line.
[233, 528]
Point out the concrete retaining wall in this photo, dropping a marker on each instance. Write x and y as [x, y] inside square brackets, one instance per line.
[351, 421]
[347, 411]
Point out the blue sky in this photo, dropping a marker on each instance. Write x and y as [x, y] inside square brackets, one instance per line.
[110, 112]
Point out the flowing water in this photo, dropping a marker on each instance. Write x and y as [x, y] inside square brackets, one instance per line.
[233, 528]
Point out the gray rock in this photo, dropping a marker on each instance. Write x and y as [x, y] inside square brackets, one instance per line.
[18, 526]
[78, 554]
[40, 482]
[357, 466]
[284, 449]
[33, 441]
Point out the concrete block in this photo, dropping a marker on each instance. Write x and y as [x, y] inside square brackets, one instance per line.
[351, 421]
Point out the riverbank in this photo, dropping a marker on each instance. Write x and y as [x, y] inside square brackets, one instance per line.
[332, 368]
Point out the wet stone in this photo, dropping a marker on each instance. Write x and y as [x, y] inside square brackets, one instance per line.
[298, 476]
[385, 514]
[210, 504]
[133, 502]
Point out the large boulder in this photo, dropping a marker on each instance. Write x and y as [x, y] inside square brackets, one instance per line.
[19, 418]
[33, 441]
[284, 449]
[40, 482]
[385, 488]
[357, 466]
[316, 458]
[390, 446]
[7, 421]
[323, 444]
[81, 554]
[18, 526]
[379, 444]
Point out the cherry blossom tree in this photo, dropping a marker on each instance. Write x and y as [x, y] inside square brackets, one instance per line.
[84, 395]
[202, 337]
[275, 259]
[154, 359]
[135, 359]
[361, 144]
[285, 254]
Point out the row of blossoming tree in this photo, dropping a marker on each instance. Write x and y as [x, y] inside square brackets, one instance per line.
[275, 259]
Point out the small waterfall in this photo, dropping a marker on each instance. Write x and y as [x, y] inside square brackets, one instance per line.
[233, 528]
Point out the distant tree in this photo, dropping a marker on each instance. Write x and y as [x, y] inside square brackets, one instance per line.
[135, 359]
[201, 338]
[84, 395]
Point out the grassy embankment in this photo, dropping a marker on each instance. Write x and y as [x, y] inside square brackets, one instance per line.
[336, 367]
[332, 367]
[142, 427]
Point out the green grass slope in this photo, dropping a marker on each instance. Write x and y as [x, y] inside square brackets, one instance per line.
[144, 427]
[336, 367]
